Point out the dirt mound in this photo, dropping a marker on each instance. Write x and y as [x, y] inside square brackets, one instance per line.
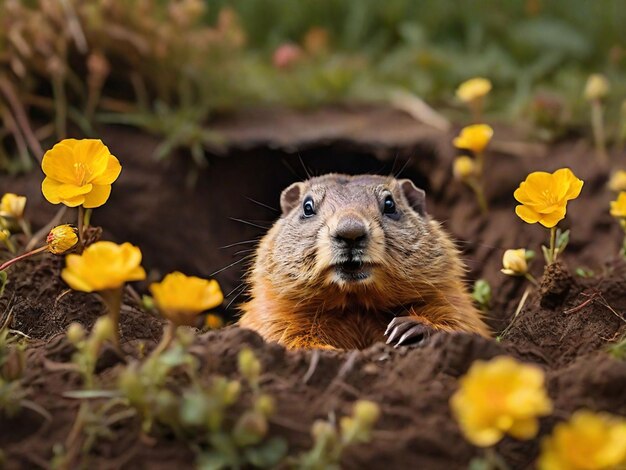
[564, 327]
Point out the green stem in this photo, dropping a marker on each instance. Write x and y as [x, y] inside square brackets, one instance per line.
[480, 195]
[169, 333]
[552, 252]
[25, 226]
[12, 261]
[476, 108]
[494, 461]
[80, 225]
[532, 279]
[597, 124]
[112, 298]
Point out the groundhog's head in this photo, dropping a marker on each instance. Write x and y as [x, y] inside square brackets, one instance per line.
[351, 234]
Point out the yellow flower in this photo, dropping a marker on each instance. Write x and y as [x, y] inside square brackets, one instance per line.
[618, 181]
[597, 87]
[475, 138]
[588, 441]
[12, 205]
[500, 397]
[463, 168]
[61, 239]
[514, 262]
[544, 196]
[473, 89]
[618, 207]
[181, 298]
[79, 172]
[103, 266]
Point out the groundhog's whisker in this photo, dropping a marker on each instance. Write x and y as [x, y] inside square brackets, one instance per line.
[241, 291]
[262, 204]
[230, 265]
[244, 242]
[247, 222]
[241, 252]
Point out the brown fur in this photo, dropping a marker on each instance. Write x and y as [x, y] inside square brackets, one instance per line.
[297, 301]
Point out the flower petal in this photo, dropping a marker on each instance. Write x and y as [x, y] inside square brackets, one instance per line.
[110, 174]
[527, 214]
[94, 155]
[97, 197]
[524, 428]
[553, 218]
[58, 162]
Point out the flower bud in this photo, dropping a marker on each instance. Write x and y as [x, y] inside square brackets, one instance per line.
[265, 405]
[286, 56]
[323, 430]
[12, 205]
[473, 89]
[61, 239]
[463, 168]
[597, 87]
[4, 235]
[14, 364]
[514, 262]
[249, 366]
[75, 333]
[250, 429]
[366, 412]
[103, 329]
[618, 181]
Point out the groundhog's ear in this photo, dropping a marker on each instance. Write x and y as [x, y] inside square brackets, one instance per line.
[290, 197]
[414, 195]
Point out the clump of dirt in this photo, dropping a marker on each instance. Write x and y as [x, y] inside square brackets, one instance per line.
[564, 326]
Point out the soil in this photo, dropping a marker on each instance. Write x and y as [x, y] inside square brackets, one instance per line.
[565, 326]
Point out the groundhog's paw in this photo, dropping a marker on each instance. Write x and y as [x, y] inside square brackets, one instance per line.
[408, 331]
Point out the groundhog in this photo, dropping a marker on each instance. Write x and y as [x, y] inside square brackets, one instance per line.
[352, 260]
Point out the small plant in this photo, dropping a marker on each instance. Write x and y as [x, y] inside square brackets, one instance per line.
[588, 440]
[618, 210]
[618, 350]
[482, 294]
[105, 267]
[474, 138]
[543, 197]
[89, 347]
[498, 397]
[472, 92]
[330, 442]
[596, 90]
[79, 173]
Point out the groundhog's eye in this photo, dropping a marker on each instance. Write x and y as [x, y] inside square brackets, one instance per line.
[308, 207]
[389, 206]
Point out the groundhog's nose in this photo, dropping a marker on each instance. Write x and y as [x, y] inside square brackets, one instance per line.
[351, 230]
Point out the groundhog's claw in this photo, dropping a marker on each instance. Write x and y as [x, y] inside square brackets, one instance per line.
[407, 331]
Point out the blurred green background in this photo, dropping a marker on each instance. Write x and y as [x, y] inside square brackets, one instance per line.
[171, 66]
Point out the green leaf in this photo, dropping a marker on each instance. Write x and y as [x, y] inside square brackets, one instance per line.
[3, 281]
[562, 239]
[268, 454]
[482, 293]
[530, 255]
[546, 254]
